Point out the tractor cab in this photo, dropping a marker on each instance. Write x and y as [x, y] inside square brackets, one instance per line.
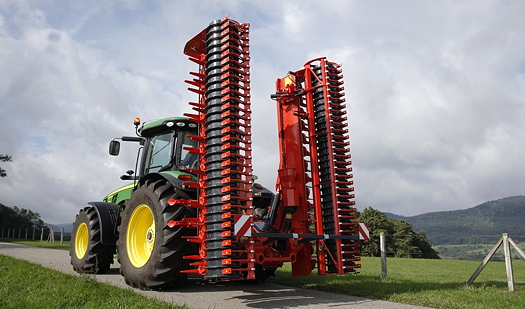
[164, 147]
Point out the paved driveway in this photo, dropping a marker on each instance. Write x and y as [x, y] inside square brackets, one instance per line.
[201, 295]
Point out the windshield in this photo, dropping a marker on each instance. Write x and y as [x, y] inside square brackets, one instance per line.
[187, 159]
[158, 153]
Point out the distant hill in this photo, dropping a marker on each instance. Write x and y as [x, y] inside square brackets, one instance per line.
[480, 224]
[68, 227]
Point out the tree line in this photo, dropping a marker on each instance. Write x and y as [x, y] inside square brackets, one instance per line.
[401, 240]
[14, 217]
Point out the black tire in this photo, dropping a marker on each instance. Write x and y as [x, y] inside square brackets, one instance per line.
[88, 254]
[161, 267]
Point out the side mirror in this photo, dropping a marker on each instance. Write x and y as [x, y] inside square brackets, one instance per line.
[114, 148]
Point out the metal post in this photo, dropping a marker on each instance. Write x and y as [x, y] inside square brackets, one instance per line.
[61, 235]
[382, 245]
[508, 262]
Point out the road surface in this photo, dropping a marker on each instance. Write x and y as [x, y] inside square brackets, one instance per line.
[202, 295]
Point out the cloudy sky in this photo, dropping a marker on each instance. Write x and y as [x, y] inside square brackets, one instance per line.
[435, 92]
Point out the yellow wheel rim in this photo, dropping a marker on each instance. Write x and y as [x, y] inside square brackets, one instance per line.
[140, 237]
[81, 240]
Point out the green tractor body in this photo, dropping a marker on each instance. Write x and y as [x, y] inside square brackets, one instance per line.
[165, 169]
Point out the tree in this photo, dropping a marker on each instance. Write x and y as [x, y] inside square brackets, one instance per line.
[19, 218]
[4, 158]
[403, 241]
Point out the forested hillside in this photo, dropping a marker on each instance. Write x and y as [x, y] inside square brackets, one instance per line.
[480, 224]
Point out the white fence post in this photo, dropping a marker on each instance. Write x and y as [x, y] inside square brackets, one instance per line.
[382, 245]
[61, 235]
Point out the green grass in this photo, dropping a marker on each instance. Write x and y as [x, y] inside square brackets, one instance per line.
[38, 243]
[27, 285]
[431, 283]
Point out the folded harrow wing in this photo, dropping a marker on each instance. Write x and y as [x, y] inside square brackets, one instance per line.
[312, 221]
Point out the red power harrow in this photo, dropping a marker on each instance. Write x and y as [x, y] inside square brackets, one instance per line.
[312, 222]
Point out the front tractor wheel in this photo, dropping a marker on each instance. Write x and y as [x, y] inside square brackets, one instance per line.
[88, 254]
[150, 252]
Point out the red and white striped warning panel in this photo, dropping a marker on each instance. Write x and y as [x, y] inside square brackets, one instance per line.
[364, 233]
[242, 225]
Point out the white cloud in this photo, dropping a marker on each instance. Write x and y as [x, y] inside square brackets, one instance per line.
[435, 93]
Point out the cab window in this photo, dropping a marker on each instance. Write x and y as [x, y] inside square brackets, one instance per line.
[158, 153]
[187, 159]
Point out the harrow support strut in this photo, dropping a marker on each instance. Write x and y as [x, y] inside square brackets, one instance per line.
[314, 143]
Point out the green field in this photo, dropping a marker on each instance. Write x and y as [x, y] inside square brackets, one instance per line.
[431, 283]
[474, 252]
[38, 243]
[27, 285]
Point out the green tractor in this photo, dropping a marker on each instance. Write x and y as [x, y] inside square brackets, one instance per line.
[133, 220]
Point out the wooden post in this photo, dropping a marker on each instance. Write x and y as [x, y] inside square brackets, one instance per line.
[516, 247]
[382, 245]
[51, 237]
[508, 262]
[484, 263]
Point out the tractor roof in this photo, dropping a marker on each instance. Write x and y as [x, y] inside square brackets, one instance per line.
[151, 128]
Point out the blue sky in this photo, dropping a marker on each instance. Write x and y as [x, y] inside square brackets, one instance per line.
[435, 92]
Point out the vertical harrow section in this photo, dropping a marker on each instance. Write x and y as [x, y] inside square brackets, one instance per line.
[334, 184]
[227, 138]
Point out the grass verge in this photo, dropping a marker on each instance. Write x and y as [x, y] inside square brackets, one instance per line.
[27, 285]
[431, 283]
[38, 243]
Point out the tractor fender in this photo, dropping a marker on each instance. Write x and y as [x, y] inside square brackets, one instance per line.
[109, 215]
[177, 184]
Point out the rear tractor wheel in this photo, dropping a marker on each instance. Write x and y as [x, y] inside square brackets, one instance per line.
[150, 252]
[88, 254]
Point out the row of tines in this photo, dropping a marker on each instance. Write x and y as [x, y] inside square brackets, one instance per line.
[227, 164]
[336, 185]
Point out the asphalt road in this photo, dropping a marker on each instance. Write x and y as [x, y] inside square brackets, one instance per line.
[202, 295]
